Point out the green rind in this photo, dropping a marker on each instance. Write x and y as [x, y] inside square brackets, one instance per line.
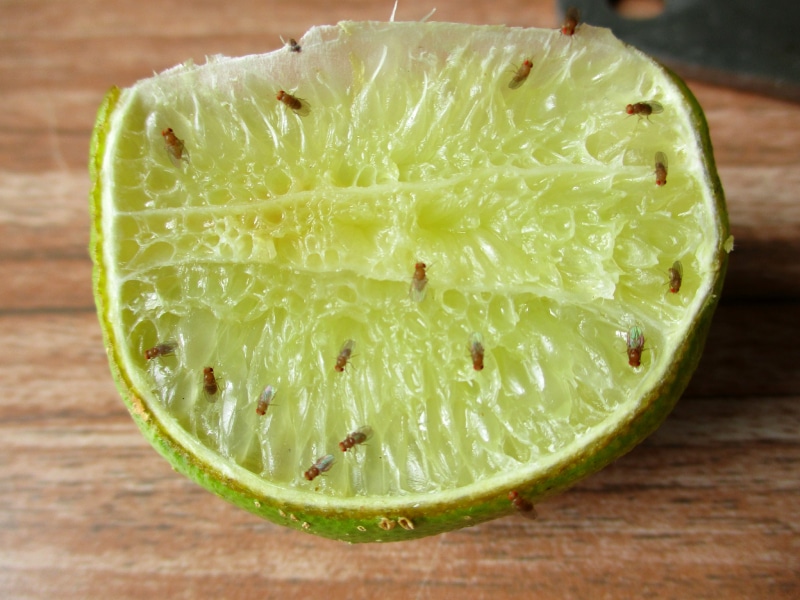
[368, 524]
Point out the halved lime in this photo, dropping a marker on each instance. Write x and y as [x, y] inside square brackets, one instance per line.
[438, 266]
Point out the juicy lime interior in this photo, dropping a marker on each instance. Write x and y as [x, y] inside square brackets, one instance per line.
[277, 237]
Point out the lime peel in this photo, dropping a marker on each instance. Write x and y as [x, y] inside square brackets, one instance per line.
[136, 203]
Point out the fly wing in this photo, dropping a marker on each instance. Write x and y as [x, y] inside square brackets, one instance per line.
[517, 81]
[305, 108]
[324, 463]
[366, 431]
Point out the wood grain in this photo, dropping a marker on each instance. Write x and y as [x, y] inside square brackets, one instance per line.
[705, 508]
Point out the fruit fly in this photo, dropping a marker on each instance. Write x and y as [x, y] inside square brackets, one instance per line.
[644, 109]
[359, 436]
[298, 105]
[323, 464]
[661, 168]
[175, 147]
[293, 45]
[476, 350]
[344, 355]
[571, 20]
[675, 277]
[524, 507]
[264, 400]
[635, 340]
[210, 386]
[418, 282]
[521, 74]
[163, 349]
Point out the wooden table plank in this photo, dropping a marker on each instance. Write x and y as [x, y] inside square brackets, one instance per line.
[707, 507]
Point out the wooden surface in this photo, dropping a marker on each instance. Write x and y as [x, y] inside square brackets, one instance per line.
[709, 507]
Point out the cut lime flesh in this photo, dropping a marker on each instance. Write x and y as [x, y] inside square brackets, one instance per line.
[278, 237]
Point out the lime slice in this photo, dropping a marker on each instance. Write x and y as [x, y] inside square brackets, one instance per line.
[410, 278]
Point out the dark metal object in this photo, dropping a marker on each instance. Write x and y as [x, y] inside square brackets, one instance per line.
[742, 43]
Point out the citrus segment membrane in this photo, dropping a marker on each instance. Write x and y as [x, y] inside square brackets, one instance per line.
[281, 235]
